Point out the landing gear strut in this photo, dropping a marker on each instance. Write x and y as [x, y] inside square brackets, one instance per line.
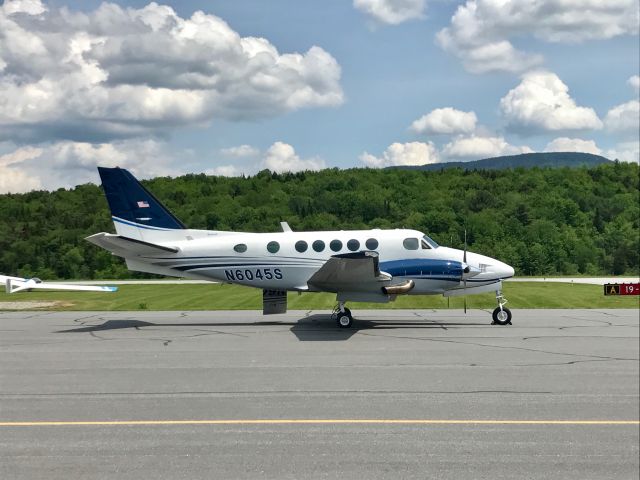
[343, 316]
[501, 315]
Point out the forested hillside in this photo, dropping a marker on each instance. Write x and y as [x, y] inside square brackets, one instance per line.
[541, 221]
[524, 160]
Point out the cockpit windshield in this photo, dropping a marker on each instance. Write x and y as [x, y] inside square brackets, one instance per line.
[428, 242]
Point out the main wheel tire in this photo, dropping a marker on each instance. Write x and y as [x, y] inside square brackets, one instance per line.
[345, 320]
[502, 316]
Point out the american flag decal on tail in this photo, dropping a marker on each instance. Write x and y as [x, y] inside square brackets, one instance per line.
[143, 204]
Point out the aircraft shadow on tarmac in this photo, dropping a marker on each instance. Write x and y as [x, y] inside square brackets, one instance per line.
[311, 328]
[324, 328]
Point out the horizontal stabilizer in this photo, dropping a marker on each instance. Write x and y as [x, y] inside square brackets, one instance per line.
[128, 247]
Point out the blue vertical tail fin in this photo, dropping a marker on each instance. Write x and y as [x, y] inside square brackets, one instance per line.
[132, 205]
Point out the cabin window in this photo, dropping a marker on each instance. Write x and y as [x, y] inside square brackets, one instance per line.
[371, 243]
[411, 243]
[318, 245]
[353, 245]
[335, 245]
[425, 245]
[273, 247]
[240, 248]
[301, 246]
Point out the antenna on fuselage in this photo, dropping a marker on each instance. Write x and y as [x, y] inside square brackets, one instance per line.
[285, 227]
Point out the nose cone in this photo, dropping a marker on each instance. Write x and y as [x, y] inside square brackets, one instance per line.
[504, 270]
[481, 268]
[489, 267]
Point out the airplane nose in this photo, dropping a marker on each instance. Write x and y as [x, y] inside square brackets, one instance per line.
[506, 271]
[488, 267]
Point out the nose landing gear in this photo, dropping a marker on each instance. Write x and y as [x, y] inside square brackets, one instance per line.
[501, 315]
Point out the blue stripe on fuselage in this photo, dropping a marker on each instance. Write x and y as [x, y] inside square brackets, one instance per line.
[423, 268]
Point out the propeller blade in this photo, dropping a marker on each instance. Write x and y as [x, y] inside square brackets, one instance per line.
[464, 287]
[464, 259]
[464, 256]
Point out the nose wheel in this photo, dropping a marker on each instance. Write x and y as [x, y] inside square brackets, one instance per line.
[501, 315]
[343, 316]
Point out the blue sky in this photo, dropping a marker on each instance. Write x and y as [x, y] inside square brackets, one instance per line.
[177, 87]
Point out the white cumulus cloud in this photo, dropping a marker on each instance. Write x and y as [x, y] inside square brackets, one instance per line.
[625, 152]
[624, 118]
[224, 171]
[392, 12]
[478, 147]
[565, 144]
[398, 154]
[634, 81]
[541, 102]
[481, 31]
[67, 164]
[241, 151]
[282, 157]
[30, 7]
[445, 121]
[489, 57]
[12, 178]
[119, 72]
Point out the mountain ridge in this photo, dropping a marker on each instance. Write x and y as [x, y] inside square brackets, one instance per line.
[523, 160]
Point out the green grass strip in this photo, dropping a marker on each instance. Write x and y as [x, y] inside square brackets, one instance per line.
[233, 297]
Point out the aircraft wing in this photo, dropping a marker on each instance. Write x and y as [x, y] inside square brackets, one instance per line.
[17, 284]
[128, 247]
[16, 287]
[350, 272]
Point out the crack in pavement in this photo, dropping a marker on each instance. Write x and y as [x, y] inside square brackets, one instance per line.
[499, 346]
[215, 332]
[574, 362]
[598, 326]
[588, 320]
[432, 322]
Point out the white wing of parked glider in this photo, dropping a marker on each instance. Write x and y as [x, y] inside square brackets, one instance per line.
[17, 284]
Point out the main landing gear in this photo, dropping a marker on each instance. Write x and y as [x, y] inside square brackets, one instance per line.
[343, 316]
[501, 315]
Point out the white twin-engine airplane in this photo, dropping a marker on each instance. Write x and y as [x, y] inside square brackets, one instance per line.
[358, 265]
[19, 284]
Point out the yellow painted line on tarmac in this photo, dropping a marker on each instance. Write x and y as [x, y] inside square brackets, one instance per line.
[107, 423]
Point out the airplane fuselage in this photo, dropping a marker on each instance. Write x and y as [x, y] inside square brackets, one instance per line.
[287, 260]
[357, 265]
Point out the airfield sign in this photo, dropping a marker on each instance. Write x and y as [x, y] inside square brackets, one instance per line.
[622, 289]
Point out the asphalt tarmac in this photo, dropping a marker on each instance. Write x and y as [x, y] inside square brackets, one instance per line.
[404, 394]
